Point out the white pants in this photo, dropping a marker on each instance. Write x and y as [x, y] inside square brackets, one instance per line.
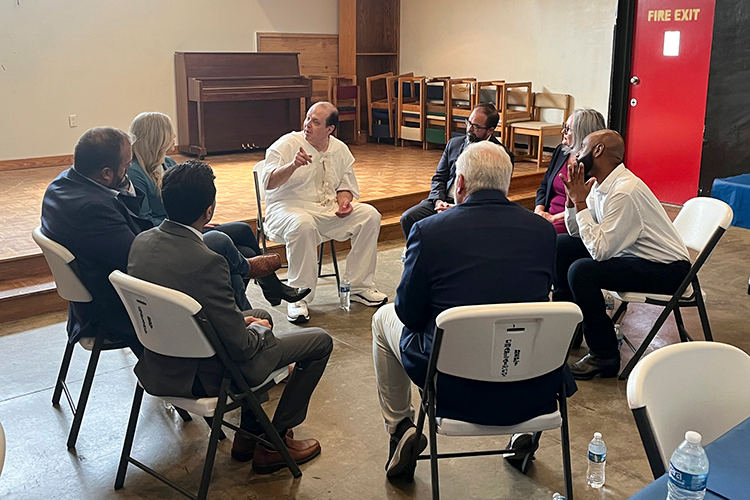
[303, 226]
[394, 385]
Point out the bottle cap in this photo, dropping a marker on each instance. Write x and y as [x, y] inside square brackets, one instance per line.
[693, 437]
[598, 435]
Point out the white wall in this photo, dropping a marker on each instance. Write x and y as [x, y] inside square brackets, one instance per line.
[561, 46]
[106, 61]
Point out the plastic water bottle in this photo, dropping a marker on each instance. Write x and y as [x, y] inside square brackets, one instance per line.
[618, 334]
[609, 301]
[597, 461]
[345, 294]
[688, 470]
[558, 496]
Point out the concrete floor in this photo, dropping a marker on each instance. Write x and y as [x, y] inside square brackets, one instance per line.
[344, 415]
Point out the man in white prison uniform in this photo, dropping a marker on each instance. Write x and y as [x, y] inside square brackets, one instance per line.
[310, 185]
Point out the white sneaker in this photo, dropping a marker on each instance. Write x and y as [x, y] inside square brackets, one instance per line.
[370, 297]
[297, 312]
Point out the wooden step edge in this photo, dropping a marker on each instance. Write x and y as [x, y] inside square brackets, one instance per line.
[28, 305]
[20, 291]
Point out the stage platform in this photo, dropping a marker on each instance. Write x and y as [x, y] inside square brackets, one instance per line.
[390, 178]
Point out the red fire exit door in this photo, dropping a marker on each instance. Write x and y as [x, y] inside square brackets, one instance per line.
[670, 63]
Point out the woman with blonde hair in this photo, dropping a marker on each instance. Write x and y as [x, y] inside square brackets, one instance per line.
[153, 137]
[550, 197]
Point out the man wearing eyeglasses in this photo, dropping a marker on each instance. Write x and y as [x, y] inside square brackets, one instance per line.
[479, 127]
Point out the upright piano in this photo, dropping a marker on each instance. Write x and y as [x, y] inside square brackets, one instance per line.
[234, 101]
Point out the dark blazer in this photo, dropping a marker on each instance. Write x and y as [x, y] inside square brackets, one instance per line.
[98, 227]
[445, 175]
[544, 193]
[486, 250]
[173, 256]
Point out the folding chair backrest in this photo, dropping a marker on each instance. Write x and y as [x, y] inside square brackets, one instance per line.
[59, 259]
[506, 342]
[259, 188]
[699, 386]
[2, 448]
[164, 319]
[699, 219]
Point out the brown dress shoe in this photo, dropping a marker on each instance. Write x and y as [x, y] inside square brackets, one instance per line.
[266, 461]
[243, 448]
[263, 265]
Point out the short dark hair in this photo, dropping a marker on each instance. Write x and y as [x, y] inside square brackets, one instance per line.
[98, 148]
[187, 190]
[489, 110]
[333, 118]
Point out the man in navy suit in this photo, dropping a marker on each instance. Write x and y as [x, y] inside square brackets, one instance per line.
[89, 211]
[479, 127]
[485, 250]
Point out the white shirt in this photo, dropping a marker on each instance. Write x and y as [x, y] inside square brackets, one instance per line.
[200, 235]
[318, 182]
[624, 219]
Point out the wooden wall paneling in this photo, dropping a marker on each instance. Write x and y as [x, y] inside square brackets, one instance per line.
[318, 53]
[348, 37]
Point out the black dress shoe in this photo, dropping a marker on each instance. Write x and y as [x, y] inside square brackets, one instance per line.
[522, 445]
[287, 293]
[590, 366]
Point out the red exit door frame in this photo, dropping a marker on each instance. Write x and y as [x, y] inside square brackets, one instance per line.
[666, 97]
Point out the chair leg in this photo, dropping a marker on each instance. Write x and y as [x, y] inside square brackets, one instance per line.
[535, 437]
[273, 436]
[129, 435]
[83, 399]
[320, 261]
[565, 442]
[540, 150]
[644, 345]
[415, 451]
[213, 440]
[434, 477]
[63, 373]
[620, 312]
[701, 305]
[335, 265]
[184, 415]
[684, 336]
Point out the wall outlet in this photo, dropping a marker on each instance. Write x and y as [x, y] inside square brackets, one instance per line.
[72, 121]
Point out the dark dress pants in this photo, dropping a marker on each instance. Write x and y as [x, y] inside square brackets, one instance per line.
[309, 349]
[424, 209]
[581, 279]
[239, 268]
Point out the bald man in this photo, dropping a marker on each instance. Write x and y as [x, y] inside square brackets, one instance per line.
[620, 238]
[310, 188]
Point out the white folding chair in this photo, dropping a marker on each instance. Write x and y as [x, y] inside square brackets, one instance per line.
[701, 223]
[504, 344]
[2, 448]
[699, 386]
[69, 286]
[171, 323]
[260, 197]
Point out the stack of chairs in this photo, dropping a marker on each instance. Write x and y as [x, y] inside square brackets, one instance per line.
[382, 104]
[345, 96]
[462, 94]
[437, 130]
[517, 107]
[539, 128]
[411, 109]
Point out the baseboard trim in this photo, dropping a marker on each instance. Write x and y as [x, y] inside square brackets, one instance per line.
[40, 162]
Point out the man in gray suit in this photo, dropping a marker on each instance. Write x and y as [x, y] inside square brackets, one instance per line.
[174, 255]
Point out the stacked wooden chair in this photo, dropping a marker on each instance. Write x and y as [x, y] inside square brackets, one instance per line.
[437, 130]
[412, 109]
[382, 104]
[461, 100]
[537, 129]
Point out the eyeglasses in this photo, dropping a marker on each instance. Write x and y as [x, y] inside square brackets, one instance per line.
[566, 129]
[474, 126]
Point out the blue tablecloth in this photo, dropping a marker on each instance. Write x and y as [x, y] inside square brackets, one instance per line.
[728, 462]
[735, 191]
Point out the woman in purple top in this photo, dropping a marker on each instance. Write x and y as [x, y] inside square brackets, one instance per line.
[550, 197]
